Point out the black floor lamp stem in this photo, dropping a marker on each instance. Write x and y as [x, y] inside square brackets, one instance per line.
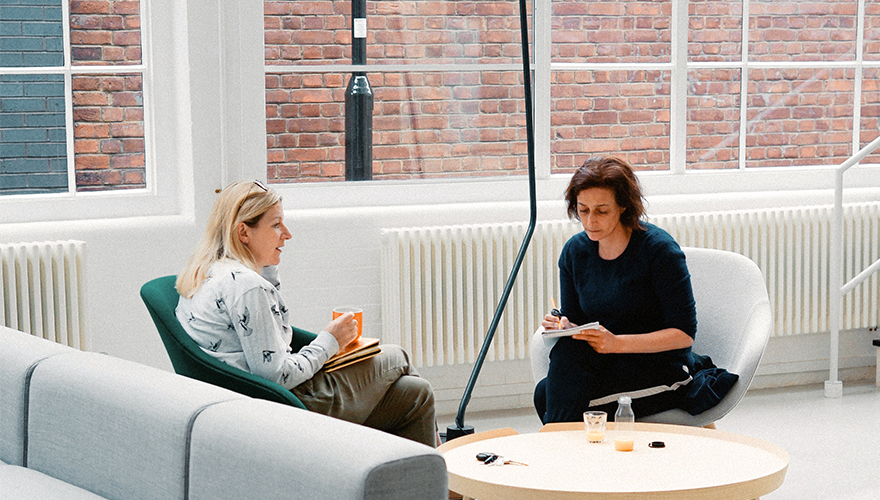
[460, 429]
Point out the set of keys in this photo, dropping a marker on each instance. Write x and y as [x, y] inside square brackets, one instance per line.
[493, 459]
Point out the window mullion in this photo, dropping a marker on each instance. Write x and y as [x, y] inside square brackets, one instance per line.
[678, 89]
[68, 127]
[67, 59]
[150, 173]
[744, 84]
[859, 75]
[542, 42]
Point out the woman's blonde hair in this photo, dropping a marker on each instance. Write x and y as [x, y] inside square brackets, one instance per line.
[241, 201]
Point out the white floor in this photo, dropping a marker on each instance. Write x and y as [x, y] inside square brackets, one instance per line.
[834, 444]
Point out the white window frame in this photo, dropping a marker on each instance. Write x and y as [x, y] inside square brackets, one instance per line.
[163, 192]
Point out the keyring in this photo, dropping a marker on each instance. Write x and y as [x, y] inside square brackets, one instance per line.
[487, 458]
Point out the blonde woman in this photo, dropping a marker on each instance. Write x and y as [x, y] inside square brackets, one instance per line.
[230, 308]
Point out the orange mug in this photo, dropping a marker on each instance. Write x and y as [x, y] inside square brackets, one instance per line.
[358, 315]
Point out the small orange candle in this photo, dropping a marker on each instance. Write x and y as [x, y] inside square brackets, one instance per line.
[623, 444]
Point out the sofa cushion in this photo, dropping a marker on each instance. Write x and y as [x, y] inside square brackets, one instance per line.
[113, 427]
[26, 484]
[18, 353]
[269, 450]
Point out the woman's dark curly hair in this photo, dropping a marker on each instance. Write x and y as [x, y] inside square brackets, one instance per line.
[611, 173]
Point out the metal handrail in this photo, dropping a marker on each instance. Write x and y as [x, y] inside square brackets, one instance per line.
[834, 387]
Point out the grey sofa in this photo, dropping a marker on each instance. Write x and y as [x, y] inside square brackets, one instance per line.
[85, 426]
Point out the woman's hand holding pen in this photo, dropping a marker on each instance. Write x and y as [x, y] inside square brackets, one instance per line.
[552, 322]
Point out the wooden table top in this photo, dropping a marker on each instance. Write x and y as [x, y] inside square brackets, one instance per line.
[696, 463]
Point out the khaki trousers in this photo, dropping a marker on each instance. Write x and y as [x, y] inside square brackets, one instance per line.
[384, 392]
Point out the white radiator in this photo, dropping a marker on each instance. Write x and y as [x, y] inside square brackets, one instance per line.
[791, 247]
[42, 290]
[440, 285]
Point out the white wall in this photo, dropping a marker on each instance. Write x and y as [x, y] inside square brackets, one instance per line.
[202, 143]
[334, 259]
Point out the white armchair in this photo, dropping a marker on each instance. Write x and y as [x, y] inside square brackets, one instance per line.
[733, 326]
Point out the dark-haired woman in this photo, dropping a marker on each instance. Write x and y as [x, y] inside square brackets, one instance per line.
[630, 277]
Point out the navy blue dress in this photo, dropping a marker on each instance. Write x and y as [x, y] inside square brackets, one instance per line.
[645, 289]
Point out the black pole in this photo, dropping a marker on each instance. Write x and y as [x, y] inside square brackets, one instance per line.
[459, 429]
[358, 103]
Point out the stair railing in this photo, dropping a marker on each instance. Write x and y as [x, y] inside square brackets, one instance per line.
[833, 386]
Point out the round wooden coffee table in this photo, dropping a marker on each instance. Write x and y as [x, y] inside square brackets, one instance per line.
[696, 463]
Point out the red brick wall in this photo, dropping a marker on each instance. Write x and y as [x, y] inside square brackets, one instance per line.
[624, 113]
[799, 117]
[611, 31]
[716, 31]
[870, 108]
[802, 30]
[424, 124]
[872, 30]
[428, 125]
[713, 118]
[870, 117]
[107, 109]
[870, 98]
[713, 103]
[108, 131]
[795, 117]
[400, 32]
[434, 124]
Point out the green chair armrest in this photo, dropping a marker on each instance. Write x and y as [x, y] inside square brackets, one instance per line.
[188, 359]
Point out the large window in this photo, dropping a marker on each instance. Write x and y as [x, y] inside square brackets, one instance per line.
[425, 124]
[610, 82]
[446, 79]
[71, 96]
[669, 85]
[789, 96]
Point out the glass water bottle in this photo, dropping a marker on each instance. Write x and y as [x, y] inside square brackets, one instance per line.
[624, 424]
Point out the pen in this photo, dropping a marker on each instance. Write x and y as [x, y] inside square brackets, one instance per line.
[556, 312]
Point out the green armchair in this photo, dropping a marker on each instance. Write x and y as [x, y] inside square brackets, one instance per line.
[188, 359]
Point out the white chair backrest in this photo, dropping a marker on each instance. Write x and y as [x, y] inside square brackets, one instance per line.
[732, 308]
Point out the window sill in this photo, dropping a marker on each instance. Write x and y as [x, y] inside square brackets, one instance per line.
[732, 184]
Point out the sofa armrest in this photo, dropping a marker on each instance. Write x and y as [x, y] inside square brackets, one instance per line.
[26, 484]
[19, 352]
[258, 449]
